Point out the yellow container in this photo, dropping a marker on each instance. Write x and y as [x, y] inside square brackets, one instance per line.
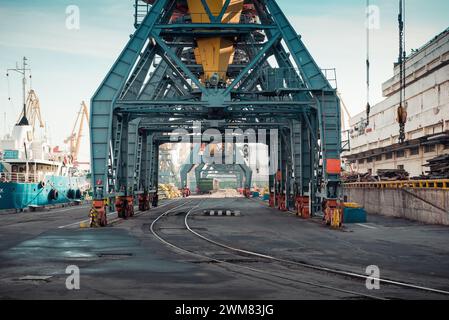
[352, 205]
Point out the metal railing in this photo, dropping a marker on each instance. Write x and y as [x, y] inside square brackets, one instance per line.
[228, 17]
[289, 78]
[19, 177]
[345, 141]
[281, 78]
[442, 184]
[331, 75]
[140, 11]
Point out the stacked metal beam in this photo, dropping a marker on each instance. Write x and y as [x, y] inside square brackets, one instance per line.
[439, 167]
[392, 174]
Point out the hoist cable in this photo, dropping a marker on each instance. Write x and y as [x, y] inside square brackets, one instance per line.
[402, 115]
[368, 106]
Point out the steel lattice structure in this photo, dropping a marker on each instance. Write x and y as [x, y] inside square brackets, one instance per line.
[157, 85]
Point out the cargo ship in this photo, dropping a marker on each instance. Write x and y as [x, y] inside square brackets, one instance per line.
[32, 173]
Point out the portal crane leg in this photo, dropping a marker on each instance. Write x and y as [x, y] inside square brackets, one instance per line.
[273, 155]
[303, 149]
[284, 173]
[124, 201]
[103, 105]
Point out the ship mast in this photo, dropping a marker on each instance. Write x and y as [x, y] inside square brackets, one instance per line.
[23, 71]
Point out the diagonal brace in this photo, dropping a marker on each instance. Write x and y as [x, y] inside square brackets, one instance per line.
[166, 49]
[254, 62]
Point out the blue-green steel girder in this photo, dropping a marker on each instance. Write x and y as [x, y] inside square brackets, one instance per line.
[122, 178]
[223, 10]
[237, 165]
[102, 103]
[256, 60]
[212, 18]
[155, 165]
[130, 180]
[184, 171]
[326, 97]
[166, 50]
[150, 88]
[248, 174]
[142, 178]
[311, 73]
[149, 161]
[137, 78]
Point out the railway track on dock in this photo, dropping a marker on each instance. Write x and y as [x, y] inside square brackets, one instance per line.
[312, 266]
[234, 261]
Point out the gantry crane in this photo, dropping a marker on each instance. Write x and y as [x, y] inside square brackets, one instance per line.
[224, 64]
[74, 140]
[167, 171]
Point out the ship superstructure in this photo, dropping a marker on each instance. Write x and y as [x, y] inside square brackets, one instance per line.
[32, 172]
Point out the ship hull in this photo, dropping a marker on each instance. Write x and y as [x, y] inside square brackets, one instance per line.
[20, 195]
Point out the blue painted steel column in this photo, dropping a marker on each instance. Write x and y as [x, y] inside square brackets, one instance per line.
[325, 96]
[103, 101]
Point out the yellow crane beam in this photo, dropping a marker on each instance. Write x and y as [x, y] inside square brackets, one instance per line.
[215, 53]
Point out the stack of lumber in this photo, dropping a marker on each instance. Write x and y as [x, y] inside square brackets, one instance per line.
[168, 191]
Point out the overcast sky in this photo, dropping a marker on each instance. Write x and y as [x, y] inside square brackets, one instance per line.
[68, 65]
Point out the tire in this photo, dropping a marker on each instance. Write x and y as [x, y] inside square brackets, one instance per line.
[53, 194]
[71, 194]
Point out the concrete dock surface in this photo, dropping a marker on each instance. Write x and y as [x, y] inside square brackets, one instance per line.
[125, 260]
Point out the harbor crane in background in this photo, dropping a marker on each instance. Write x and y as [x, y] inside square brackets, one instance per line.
[33, 111]
[74, 140]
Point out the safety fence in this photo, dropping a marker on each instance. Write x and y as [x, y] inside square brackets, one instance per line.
[442, 184]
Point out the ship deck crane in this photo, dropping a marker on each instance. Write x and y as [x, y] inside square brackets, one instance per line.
[74, 140]
[33, 111]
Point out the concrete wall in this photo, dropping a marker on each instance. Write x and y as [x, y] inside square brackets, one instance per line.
[398, 203]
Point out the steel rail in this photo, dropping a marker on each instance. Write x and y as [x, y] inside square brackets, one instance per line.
[315, 267]
[188, 252]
